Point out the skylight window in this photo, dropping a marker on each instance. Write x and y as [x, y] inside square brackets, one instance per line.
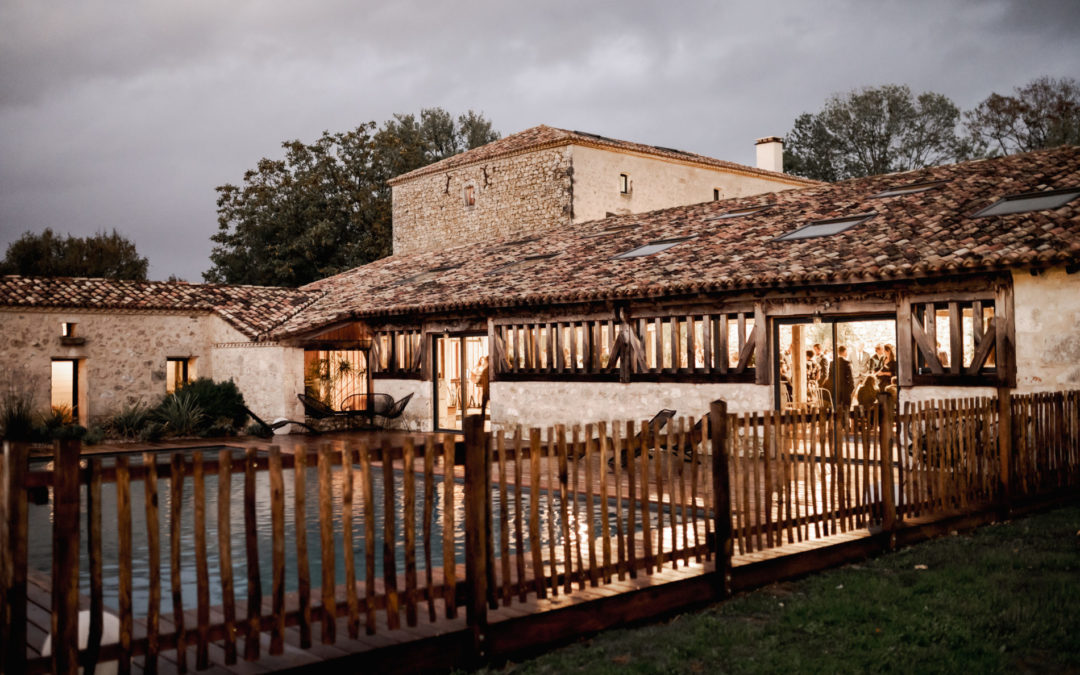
[824, 228]
[526, 262]
[1031, 201]
[427, 275]
[910, 189]
[735, 213]
[651, 248]
[612, 230]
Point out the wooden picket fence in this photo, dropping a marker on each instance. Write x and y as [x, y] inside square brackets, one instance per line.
[544, 512]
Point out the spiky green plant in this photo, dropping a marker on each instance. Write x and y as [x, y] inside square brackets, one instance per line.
[181, 414]
[130, 420]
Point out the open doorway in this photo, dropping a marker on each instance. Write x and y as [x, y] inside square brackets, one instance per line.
[813, 357]
[461, 380]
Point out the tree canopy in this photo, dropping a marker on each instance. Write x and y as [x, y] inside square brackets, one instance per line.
[1044, 113]
[874, 130]
[326, 206]
[48, 254]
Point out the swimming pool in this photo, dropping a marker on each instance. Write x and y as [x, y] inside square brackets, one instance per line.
[40, 541]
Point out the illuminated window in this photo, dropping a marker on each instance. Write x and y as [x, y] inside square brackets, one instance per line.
[176, 374]
[65, 387]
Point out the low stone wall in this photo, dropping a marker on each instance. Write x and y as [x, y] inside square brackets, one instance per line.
[549, 403]
[417, 415]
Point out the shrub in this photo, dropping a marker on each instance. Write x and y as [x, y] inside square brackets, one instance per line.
[130, 420]
[95, 435]
[218, 399]
[181, 414]
[152, 431]
[17, 391]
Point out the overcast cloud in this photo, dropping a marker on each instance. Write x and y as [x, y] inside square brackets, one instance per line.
[127, 115]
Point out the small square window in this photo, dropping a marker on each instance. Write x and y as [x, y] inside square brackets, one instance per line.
[651, 248]
[824, 228]
[1032, 201]
[67, 330]
[470, 195]
[624, 184]
[176, 374]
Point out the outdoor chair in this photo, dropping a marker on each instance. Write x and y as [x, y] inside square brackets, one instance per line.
[655, 425]
[377, 405]
[269, 429]
[316, 409]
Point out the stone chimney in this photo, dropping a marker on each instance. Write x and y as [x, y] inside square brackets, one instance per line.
[770, 153]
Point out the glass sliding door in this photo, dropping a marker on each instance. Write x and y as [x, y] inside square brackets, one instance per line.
[461, 380]
[828, 363]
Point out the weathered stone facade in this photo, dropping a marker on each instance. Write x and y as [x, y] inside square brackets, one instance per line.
[1047, 330]
[511, 196]
[123, 358]
[534, 190]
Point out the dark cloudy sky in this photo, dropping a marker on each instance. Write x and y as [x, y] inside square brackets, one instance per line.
[128, 114]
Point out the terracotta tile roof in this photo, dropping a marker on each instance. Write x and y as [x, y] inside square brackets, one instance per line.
[252, 310]
[542, 137]
[914, 235]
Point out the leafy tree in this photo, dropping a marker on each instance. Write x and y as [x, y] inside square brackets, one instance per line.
[48, 254]
[326, 206]
[874, 130]
[1044, 113]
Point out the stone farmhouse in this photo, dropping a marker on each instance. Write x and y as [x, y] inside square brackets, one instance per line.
[595, 278]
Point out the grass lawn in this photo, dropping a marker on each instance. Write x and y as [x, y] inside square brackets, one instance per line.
[1004, 598]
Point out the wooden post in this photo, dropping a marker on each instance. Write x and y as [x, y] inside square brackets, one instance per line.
[888, 497]
[1005, 449]
[65, 567]
[721, 495]
[13, 555]
[476, 529]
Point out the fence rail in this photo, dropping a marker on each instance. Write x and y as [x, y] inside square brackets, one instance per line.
[397, 535]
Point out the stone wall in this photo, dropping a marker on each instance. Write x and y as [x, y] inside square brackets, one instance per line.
[267, 374]
[418, 414]
[549, 403]
[122, 360]
[513, 196]
[655, 183]
[1047, 309]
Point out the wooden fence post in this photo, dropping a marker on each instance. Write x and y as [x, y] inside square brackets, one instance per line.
[477, 497]
[1005, 449]
[885, 438]
[718, 426]
[13, 556]
[65, 562]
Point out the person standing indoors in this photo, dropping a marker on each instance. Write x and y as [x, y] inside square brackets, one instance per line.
[887, 371]
[845, 381]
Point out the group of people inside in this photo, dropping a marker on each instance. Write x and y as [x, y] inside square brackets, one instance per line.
[876, 373]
